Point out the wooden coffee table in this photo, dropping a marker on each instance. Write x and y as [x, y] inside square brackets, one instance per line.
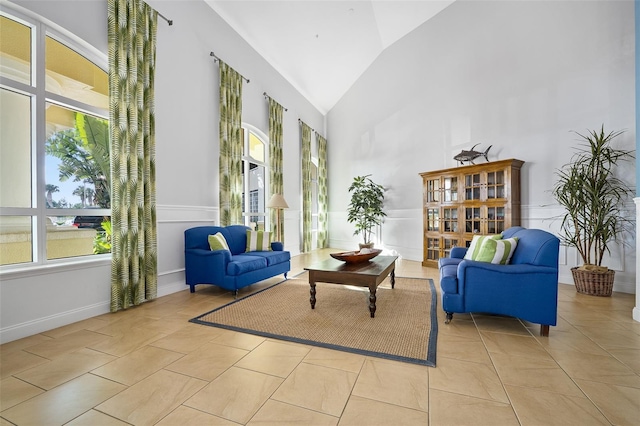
[366, 274]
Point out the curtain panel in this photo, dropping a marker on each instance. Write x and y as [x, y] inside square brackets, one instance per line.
[276, 183]
[306, 188]
[231, 146]
[322, 192]
[131, 34]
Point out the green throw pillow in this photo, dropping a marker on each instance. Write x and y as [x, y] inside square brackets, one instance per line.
[476, 242]
[498, 252]
[258, 241]
[218, 242]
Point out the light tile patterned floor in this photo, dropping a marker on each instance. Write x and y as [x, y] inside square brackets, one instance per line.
[148, 365]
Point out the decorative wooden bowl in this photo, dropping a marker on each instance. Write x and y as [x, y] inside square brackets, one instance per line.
[356, 257]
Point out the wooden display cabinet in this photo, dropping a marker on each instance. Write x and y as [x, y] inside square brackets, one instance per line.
[464, 201]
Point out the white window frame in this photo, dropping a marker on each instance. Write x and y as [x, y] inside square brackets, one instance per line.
[38, 211]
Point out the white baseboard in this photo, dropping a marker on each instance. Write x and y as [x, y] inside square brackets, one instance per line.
[39, 325]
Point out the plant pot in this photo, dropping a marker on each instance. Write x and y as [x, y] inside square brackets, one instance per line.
[593, 283]
[367, 245]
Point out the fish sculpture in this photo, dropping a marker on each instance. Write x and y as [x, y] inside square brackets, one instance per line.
[471, 155]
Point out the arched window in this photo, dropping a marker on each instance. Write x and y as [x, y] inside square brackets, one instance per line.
[255, 178]
[54, 145]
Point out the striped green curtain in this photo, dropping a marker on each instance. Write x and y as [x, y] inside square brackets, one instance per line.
[131, 33]
[231, 146]
[322, 192]
[276, 185]
[306, 188]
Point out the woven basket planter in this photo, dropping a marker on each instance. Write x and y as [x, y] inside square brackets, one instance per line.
[593, 283]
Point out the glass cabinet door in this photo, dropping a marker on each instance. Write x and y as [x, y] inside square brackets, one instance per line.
[450, 219]
[432, 248]
[450, 189]
[472, 186]
[495, 184]
[432, 191]
[495, 220]
[472, 220]
[448, 244]
[432, 218]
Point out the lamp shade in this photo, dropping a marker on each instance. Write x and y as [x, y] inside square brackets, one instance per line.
[277, 201]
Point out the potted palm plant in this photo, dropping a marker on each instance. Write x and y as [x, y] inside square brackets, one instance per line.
[594, 198]
[365, 208]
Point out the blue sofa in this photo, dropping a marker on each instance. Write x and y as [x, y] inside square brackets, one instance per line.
[230, 269]
[526, 288]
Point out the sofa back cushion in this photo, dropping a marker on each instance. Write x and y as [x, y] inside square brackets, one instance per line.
[535, 247]
[236, 236]
[198, 237]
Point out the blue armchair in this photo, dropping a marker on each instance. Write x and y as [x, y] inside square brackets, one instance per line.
[234, 268]
[526, 288]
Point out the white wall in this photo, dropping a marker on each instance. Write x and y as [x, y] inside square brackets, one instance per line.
[186, 154]
[518, 75]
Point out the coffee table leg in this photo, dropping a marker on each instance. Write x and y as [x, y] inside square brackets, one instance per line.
[372, 301]
[313, 295]
[393, 278]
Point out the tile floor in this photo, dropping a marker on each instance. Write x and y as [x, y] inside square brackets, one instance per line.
[148, 366]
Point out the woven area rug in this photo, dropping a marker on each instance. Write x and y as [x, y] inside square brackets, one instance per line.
[404, 328]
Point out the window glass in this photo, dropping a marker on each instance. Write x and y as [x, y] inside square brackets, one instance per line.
[254, 179]
[16, 239]
[71, 75]
[77, 160]
[15, 150]
[256, 148]
[15, 50]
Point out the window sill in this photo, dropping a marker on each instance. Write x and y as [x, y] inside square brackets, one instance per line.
[52, 267]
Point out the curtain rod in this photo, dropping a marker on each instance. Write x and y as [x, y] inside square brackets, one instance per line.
[269, 97]
[218, 59]
[302, 122]
[169, 21]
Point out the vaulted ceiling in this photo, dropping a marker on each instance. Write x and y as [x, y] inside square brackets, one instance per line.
[323, 47]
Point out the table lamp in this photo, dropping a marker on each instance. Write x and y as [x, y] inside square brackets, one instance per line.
[277, 202]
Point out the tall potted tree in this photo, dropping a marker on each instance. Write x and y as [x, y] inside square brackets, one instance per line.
[365, 208]
[594, 198]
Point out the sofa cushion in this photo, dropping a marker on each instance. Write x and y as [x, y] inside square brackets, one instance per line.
[476, 243]
[272, 257]
[258, 241]
[243, 263]
[498, 252]
[218, 242]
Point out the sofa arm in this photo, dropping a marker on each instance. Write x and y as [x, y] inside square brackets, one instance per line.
[277, 246]
[458, 252]
[206, 266]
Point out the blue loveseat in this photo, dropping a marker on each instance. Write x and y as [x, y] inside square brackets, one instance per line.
[234, 268]
[526, 288]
